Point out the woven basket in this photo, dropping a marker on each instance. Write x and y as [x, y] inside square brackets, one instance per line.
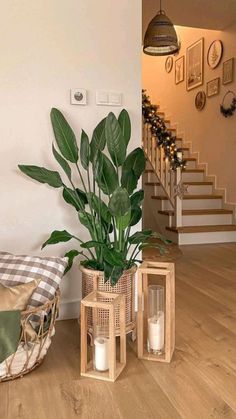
[94, 280]
[30, 353]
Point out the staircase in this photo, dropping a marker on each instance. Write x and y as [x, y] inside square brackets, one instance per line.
[197, 214]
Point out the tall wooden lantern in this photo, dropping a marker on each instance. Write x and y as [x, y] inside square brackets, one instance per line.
[100, 360]
[156, 311]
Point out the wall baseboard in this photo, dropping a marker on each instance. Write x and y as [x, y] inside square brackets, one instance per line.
[69, 310]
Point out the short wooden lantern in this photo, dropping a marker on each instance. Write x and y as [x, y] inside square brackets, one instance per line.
[156, 311]
[101, 362]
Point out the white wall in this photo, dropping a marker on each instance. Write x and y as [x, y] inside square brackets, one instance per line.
[210, 133]
[47, 47]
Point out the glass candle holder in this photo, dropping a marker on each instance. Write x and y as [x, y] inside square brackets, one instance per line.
[156, 319]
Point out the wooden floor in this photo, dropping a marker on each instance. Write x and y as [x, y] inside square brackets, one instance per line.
[200, 383]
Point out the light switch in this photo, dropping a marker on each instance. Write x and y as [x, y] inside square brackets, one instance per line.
[78, 96]
[102, 97]
[115, 98]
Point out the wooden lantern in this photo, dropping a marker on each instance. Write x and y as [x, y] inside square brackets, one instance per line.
[150, 330]
[103, 363]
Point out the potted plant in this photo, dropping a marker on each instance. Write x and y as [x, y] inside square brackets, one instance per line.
[107, 202]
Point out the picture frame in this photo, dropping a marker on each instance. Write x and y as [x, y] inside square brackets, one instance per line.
[169, 64]
[215, 53]
[228, 71]
[213, 87]
[200, 100]
[179, 70]
[194, 64]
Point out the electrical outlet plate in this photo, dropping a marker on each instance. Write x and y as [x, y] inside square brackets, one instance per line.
[78, 96]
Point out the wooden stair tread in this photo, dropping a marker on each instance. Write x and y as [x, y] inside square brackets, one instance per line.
[184, 183]
[202, 196]
[202, 229]
[198, 212]
[190, 197]
[198, 183]
[193, 170]
[152, 183]
[190, 159]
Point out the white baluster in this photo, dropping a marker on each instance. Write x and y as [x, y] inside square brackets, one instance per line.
[178, 201]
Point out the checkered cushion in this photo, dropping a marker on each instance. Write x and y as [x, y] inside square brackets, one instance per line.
[15, 270]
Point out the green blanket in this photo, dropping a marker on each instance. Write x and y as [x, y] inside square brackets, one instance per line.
[10, 330]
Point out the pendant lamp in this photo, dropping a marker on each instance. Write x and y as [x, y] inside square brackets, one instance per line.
[160, 37]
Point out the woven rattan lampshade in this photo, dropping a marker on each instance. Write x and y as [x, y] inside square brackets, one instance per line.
[160, 37]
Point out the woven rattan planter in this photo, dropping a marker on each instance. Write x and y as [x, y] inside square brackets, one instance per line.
[94, 280]
[30, 353]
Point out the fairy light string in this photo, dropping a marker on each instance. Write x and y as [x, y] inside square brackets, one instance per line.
[164, 137]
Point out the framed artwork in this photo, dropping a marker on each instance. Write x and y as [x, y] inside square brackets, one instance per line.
[228, 71]
[213, 87]
[200, 100]
[169, 64]
[194, 65]
[214, 54]
[179, 70]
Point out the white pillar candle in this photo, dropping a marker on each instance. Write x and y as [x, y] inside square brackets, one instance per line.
[156, 332]
[101, 353]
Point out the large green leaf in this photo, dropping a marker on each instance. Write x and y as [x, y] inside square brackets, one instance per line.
[137, 198]
[135, 161]
[100, 207]
[82, 196]
[136, 215]
[63, 163]
[72, 198]
[98, 141]
[71, 255]
[116, 273]
[87, 221]
[140, 236]
[119, 204]
[115, 141]
[129, 180]
[58, 237]
[125, 124]
[105, 173]
[84, 150]
[64, 136]
[42, 175]
[113, 257]
[91, 244]
[123, 221]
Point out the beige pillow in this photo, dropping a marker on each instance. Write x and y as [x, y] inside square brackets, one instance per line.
[16, 298]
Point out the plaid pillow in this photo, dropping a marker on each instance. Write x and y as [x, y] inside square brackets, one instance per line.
[15, 270]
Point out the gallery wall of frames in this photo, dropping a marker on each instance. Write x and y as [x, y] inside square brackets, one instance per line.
[189, 68]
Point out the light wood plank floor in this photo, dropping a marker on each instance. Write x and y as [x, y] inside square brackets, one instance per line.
[200, 383]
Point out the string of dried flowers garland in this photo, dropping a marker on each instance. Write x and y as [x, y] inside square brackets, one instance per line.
[158, 129]
[229, 111]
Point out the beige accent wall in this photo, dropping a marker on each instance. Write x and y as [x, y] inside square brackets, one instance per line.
[48, 47]
[212, 135]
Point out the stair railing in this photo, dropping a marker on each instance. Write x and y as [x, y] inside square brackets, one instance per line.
[169, 180]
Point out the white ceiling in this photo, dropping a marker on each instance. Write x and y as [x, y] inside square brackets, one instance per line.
[207, 14]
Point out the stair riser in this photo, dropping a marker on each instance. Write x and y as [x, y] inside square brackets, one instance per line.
[204, 220]
[193, 204]
[200, 189]
[191, 164]
[193, 177]
[186, 153]
[204, 238]
[202, 204]
[192, 190]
